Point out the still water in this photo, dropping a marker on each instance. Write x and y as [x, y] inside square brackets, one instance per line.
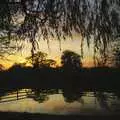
[60, 102]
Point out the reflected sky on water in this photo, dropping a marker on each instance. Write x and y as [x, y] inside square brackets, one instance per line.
[59, 102]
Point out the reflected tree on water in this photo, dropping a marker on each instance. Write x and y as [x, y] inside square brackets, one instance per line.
[72, 94]
[109, 101]
[39, 96]
[42, 95]
[102, 99]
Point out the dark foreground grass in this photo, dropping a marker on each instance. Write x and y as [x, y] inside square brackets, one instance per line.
[29, 116]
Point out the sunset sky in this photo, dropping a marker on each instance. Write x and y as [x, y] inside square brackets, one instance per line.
[53, 51]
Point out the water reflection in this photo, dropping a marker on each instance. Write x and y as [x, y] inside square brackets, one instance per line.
[63, 101]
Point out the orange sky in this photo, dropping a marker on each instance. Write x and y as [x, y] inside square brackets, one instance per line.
[54, 52]
[19, 59]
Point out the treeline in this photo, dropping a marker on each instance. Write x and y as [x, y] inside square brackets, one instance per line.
[42, 74]
[89, 79]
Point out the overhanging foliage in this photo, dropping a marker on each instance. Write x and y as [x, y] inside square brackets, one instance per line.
[96, 19]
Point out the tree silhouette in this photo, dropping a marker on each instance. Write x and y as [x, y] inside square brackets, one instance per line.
[97, 19]
[39, 60]
[71, 60]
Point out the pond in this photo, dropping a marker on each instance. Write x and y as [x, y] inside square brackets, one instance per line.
[60, 102]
